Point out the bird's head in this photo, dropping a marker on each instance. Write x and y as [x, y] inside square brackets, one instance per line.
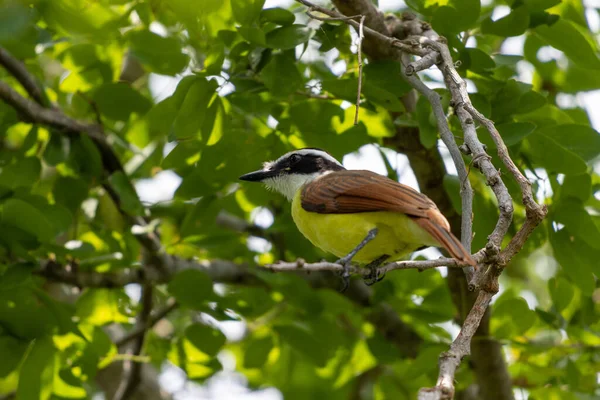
[291, 171]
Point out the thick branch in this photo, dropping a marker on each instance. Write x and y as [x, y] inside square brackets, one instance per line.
[17, 69]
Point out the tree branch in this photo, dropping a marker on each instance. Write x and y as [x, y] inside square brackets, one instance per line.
[17, 69]
[440, 54]
[461, 347]
[153, 319]
[466, 191]
[131, 377]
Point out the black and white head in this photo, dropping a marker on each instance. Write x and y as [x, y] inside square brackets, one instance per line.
[291, 171]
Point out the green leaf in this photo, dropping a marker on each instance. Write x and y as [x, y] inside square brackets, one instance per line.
[561, 292]
[281, 75]
[102, 306]
[288, 37]
[84, 157]
[452, 187]
[193, 110]
[511, 317]
[382, 97]
[530, 101]
[512, 133]
[191, 288]
[428, 132]
[385, 75]
[515, 98]
[257, 351]
[554, 157]
[304, 343]
[514, 24]
[567, 37]
[70, 192]
[577, 186]
[24, 216]
[253, 34]
[12, 351]
[576, 259]
[344, 89]
[571, 213]
[37, 371]
[57, 149]
[25, 172]
[129, 200]
[15, 19]
[477, 60]
[119, 100]
[540, 5]
[206, 339]
[246, 11]
[162, 55]
[579, 139]
[277, 15]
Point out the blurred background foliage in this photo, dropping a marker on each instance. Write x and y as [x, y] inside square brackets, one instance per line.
[193, 94]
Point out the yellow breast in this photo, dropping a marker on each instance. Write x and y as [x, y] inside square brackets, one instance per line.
[339, 234]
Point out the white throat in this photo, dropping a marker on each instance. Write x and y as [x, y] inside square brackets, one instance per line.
[288, 185]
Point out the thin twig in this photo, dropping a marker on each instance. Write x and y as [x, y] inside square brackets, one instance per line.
[152, 320]
[361, 36]
[301, 265]
[466, 191]
[132, 370]
[460, 348]
[325, 19]
[436, 52]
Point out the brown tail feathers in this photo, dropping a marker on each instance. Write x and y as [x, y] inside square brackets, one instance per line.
[446, 239]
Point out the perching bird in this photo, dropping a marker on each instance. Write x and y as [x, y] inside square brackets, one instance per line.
[357, 215]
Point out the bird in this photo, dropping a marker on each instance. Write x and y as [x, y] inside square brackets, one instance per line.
[357, 215]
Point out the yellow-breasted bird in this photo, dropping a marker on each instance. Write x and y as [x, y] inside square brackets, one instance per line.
[357, 215]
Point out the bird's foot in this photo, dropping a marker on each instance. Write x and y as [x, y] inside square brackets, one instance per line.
[375, 275]
[345, 273]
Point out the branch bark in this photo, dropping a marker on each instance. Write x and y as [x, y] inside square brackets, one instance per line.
[439, 54]
[132, 370]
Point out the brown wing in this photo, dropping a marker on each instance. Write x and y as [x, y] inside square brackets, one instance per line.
[344, 192]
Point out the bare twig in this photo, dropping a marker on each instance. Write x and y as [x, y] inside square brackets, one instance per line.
[428, 60]
[436, 51]
[141, 329]
[361, 36]
[301, 265]
[458, 89]
[218, 270]
[371, 33]
[132, 370]
[325, 19]
[450, 360]
[466, 192]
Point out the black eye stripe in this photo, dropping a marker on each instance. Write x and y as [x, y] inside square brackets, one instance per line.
[306, 164]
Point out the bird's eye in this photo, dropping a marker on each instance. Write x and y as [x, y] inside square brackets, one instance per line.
[294, 158]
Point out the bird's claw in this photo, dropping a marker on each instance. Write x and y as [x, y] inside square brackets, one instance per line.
[345, 273]
[373, 277]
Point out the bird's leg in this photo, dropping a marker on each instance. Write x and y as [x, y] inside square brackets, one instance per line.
[345, 261]
[374, 276]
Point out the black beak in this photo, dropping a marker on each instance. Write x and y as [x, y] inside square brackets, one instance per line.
[258, 176]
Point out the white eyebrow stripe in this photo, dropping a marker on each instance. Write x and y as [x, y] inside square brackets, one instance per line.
[313, 152]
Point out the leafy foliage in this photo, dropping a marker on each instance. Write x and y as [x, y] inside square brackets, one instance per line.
[252, 82]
